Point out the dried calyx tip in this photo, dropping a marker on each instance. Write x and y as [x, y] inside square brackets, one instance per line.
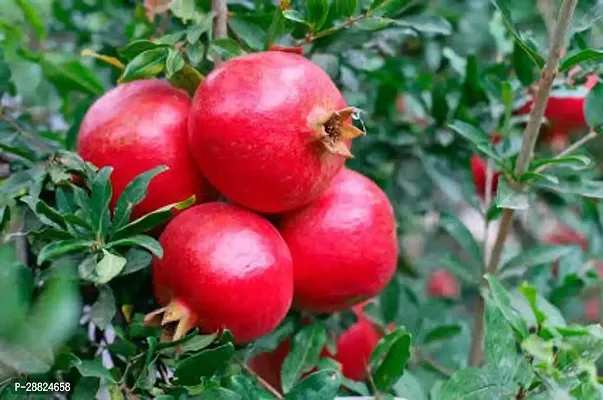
[175, 319]
[335, 130]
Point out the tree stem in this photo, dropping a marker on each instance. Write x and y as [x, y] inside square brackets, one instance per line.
[530, 137]
[220, 28]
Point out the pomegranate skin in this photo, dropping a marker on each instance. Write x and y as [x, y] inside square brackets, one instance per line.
[478, 171]
[228, 267]
[138, 126]
[442, 283]
[343, 245]
[353, 351]
[250, 130]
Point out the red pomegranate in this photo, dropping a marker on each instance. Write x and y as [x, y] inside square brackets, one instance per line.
[565, 112]
[223, 267]
[270, 130]
[353, 351]
[478, 171]
[442, 283]
[138, 126]
[343, 245]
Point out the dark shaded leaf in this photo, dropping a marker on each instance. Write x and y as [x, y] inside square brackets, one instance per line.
[321, 385]
[389, 358]
[306, 348]
[147, 64]
[190, 370]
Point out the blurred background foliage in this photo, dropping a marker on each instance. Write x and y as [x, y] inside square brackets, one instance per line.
[412, 67]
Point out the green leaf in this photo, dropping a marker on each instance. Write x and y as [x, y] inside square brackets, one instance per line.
[147, 64]
[144, 241]
[295, 16]
[227, 48]
[528, 48]
[374, 23]
[33, 17]
[85, 388]
[103, 310]
[507, 197]
[389, 300]
[531, 295]
[108, 267]
[183, 9]
[577, 56]
[424, 23]
[136, 259]
[317, 12]
[475, 384]
[4, 217]
[132, 195]
[575, 162]
[203, 25]
[462, 235]
[206, 363]
[73, 76]
[321, 385]
[45, 213]
[198, 342]
[249, 33]
[93, 369]
[188, 79]
[136, 47]
[5, 74]
[389, 358]
[542, 254]
[500, 350]
[24, 359]
[345, 8]
[469, 132]
[500, 298]
[306, 348]
[442, 332]
[174, 62]
[523, 65]
[530, 176]
[593, 103]
[151, 220]
[62, 247]
[99, 201]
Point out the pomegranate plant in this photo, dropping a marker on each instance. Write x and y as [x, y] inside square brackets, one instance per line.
[301, 200]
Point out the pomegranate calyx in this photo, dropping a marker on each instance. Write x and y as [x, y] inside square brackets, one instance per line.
[333, 130]
[176, 319]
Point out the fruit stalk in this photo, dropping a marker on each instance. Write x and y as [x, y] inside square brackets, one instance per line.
[530, 137]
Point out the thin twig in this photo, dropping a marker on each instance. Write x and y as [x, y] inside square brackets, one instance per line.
[263, 382]
[349, 22]
[591, 135]
[433, 363]
[530, 137]
[35, 140]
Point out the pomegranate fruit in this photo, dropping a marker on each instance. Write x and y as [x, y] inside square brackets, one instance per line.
[343, 245]
[223, 267]
[565, 112]
[478, 171]
[138, 126]
[353, 351]
[270, 130]
[442, 283]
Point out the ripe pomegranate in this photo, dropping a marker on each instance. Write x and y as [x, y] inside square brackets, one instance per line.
[138, 126]
[478, 170]
[343, 245]
[565, 112]
[353, 351]
[270, 130]
[442, 283]
[223, 267]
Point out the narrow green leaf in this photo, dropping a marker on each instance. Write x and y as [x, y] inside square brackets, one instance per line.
[132, 195]
[317, 12]
[99, 201]
[462, 235]
[442, 332]
[188, 79]
[33, 17]
[467, 272]
[151, 220]
[61, 247]
[206, 363]
[507, 197]
[174, 62]
[542, 254]
[321, 385]
[136, 259]
[531, 294]
[147, 64]
[500, 350]
[577, 56]
[144, 241]
[73, 76]
[249, 33]
[136, 47]
[93, 368]
[103, 310]
[576, 162]
[523, 65]
[530, 176]
[501, 299]
[592, 106]
[227, 48]
[306, 348]
[389, 358]
[345, 8]
[424, 23]
[469, 132]
[295, 16]
[204, 25]
[4, 217]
